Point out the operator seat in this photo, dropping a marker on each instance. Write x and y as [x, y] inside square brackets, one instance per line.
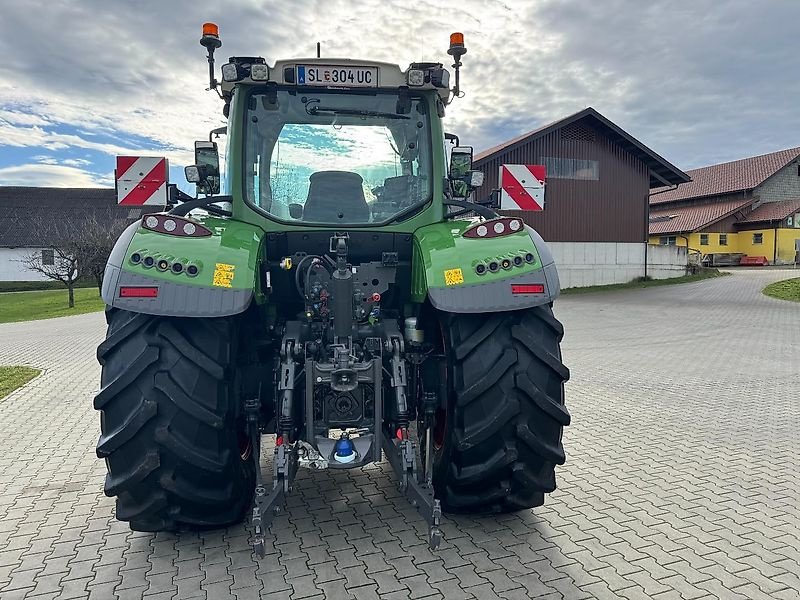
[394, 197]
[398, 190]
[336, 197]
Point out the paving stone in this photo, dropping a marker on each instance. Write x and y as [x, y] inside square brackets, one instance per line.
[568, 589]
[220, 590]
[676, 486]
[16, 594]
[133, 593]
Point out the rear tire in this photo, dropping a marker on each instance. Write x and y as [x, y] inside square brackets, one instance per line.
[171, 432]
[505, 413]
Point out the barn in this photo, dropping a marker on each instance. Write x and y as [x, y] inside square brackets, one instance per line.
[596, 209]
[744, 208]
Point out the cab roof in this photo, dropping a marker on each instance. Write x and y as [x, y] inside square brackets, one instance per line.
[285, 73]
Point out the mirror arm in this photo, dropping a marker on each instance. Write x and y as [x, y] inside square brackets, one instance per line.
[217, 132]
[484, 211]
[452, 137]
[186, 207]
[177, 195]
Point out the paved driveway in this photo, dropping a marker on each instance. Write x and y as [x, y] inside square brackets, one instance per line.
[681, 478]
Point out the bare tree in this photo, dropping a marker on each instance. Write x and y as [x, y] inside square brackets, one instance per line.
[93, 242]
[63, 267]
[77, 246]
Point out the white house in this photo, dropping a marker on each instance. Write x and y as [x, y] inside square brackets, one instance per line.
[31, 216]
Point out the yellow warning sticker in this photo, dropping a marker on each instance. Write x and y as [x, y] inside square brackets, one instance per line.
[223, 275]
[453, 277]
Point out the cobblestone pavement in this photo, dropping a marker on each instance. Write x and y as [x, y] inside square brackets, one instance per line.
[681, 478]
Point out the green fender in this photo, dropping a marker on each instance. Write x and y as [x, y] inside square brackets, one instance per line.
[227, 265]
[445, 269]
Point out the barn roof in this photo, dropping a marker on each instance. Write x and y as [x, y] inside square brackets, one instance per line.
[686, 219]
[728, 178]
[662, 172]
[773, 211]
[31, 216]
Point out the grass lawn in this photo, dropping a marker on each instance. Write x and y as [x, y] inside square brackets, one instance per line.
[788, 289]
[29, 286]
[12, 378]
[30, 306]
[646, 283]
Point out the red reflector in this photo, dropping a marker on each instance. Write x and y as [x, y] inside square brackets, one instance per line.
[279, 440]
[138, 292]
[527, 288]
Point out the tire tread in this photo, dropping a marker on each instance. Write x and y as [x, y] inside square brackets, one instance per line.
[168, 425]
[506, 414]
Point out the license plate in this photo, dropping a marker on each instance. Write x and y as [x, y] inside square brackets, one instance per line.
[337, 76]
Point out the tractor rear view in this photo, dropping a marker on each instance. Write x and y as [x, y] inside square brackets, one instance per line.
[333, 286]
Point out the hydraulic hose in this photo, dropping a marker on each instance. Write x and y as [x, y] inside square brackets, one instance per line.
[298, 270]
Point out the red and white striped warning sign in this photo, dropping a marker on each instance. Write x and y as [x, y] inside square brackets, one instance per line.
[522, 187]
[142, 180]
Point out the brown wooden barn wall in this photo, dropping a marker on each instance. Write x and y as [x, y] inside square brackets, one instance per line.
[611, 209]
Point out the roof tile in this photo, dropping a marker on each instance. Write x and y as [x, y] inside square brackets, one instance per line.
[691, 218]
[31, 216]
[726, 178]
[772, 211]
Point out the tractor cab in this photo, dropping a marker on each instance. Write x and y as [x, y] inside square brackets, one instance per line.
[333, 142]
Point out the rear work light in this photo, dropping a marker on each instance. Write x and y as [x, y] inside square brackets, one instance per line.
[494, 228]
[416, 77]
[177, 226]
[527, 288]
[138, 291]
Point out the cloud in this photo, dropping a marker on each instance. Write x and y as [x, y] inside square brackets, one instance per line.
[48, 175]
[696, 80]
[76, 162]
[15, 117]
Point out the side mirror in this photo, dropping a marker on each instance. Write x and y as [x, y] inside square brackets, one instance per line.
[296, 211]
[460, 162]
[462, 176]
[205, 172]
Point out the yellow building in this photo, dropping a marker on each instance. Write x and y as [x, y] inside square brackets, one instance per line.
[749, 207]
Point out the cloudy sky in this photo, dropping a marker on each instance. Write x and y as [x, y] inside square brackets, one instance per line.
[699, 81]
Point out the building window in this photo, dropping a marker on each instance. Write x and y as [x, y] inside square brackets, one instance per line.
[723, 239]
[758, 238]
[48, 257]
[668, 240]
[571, 168]
[704, 239]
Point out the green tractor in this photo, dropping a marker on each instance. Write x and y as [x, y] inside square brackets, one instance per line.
[331, 285]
